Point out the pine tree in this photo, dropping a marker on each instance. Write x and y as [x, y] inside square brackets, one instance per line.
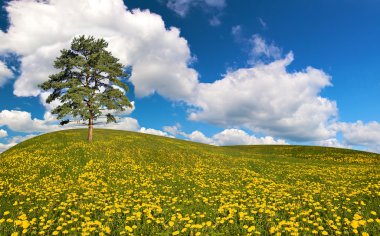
[88, 83]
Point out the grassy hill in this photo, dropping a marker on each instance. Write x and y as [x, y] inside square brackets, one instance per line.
[138, 184]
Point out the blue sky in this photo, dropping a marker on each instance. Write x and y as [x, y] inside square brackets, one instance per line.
[214, 71]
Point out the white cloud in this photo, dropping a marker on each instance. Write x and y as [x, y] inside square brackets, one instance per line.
[225, 137]
[182, 7]
[13, 141]
[39, 29]
[36, 68]
[5, 74]
[124, 123]
[3, 133]
[22, 121]
[154, 132]
[197, 136]
[19, 139]
[333, 142]
[262, 51]
[4, 146]
[174, 130]
[240, 137]
[48, 106]
[361, 134]
[267, 99]
[230, 137]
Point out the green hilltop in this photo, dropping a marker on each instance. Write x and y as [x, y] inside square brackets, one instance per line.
[141, 184]
[133, 140]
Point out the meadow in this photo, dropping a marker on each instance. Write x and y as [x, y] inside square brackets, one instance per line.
[127, 183]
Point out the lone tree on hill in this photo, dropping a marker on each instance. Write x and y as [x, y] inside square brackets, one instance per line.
[88, 83]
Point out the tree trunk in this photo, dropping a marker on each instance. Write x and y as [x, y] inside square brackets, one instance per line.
[90, 129]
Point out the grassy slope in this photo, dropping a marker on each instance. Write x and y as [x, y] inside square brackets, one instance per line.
[157, 184]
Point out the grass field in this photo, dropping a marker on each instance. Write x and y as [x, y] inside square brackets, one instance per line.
[138, 184]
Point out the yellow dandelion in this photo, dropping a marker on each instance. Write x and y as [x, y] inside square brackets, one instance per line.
[129, 229]
[252, 228]
[25, 224]
[354, 224]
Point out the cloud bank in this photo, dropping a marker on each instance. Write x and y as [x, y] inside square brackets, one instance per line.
[21, 121]
[223, 138]
[268, 99]
[361, 134]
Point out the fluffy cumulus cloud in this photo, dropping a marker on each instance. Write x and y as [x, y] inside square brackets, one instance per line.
[173, 130]
[5, 73]
[182, 7]
[154, 132]
[124, 123]
[3, 133]
[361, 134]
[199, 137]
[240, 137]
[268, 99]
[232, 137]
[40, 29]
[225, 137]
[21, 121]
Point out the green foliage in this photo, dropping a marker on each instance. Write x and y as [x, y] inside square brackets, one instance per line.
[86, 81]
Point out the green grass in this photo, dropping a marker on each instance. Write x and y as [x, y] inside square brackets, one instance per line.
[133, 183]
